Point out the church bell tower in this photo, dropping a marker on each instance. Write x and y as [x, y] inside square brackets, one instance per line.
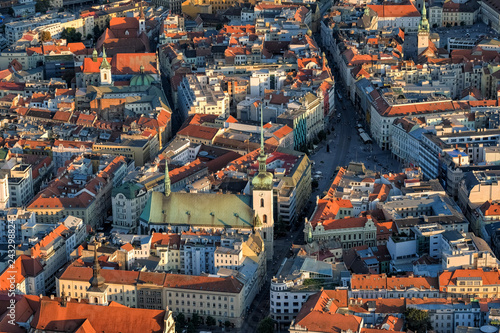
[262, 192]
[423, 32]
[97, 292]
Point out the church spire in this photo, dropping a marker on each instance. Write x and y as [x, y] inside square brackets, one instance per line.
[263, 180]
[262, 156]
[167, 179]
[424, 23]
[97, 281]
[141, 14]
[105, 64]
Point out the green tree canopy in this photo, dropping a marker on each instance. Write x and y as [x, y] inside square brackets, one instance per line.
[71, 35]
[195, 319]
[46, 36]
[417, 320]
[42, 6]
[210, 321]
[180, 322]
[266, 325]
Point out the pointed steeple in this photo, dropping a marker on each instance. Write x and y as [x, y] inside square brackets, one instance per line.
[63, 297]
[97, 281]
[141, 14]
[105, 64]
[94, 55]
[142, 21]
[262, 156]
[263, 180]
[167, 180]
[424, 23]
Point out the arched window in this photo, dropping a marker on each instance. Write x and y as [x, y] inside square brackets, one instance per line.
[262, 202]
[105, 76]
[264, 219]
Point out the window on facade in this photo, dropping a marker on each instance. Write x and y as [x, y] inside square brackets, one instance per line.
[262, 202]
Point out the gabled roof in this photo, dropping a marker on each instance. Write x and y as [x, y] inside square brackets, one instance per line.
[396, 10]
[25, 266]
[319, 314]
[447, 278]
[87, 318]
[490, 208]
[197, 131]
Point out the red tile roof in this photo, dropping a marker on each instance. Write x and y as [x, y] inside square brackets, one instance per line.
[82, 317]
[282, 132]
[200, 132]
[24, 267]
[447, 279]
[319, 314]
[57, 232]
[205, 283]
[346, 223]
[127, 247]
[91, 66]
[130, 63]
[490, 208]
[62, 116]
[396, 10]
[151, 278]
[73, 144]
[382, 305]
[86, 119]
[172, 240]
[178, 174]
[23, 311]
[328, 209]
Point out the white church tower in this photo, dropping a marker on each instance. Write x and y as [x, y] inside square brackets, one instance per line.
[142, 21]
[262, 194]
[105, 70]
[423, 32]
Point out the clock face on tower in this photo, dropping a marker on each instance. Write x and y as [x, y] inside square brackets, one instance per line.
[261, 194]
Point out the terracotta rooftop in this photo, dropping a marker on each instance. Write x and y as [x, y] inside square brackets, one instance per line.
[82, 317]
[319, 314]
[197, 131]
[490, 208]
[396, 10]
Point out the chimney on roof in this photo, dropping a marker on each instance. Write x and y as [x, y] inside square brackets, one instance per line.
[52, 296]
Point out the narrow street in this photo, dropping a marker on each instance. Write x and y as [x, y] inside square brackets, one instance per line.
[345, 146]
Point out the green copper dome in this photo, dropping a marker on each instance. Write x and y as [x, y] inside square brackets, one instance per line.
[142, 79]
[263, 180]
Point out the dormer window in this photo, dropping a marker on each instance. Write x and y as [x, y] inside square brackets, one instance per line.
[126, 33]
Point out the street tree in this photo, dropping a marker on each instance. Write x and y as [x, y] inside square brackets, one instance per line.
[196, 320]
[210, 321]
[417, 320]
[71, 35]
[41, 6]
[180, 322]
[190, 328]
[46, 36]
[266, 325]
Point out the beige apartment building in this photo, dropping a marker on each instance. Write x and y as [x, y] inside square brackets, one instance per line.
[220, 297]
[474, 283]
